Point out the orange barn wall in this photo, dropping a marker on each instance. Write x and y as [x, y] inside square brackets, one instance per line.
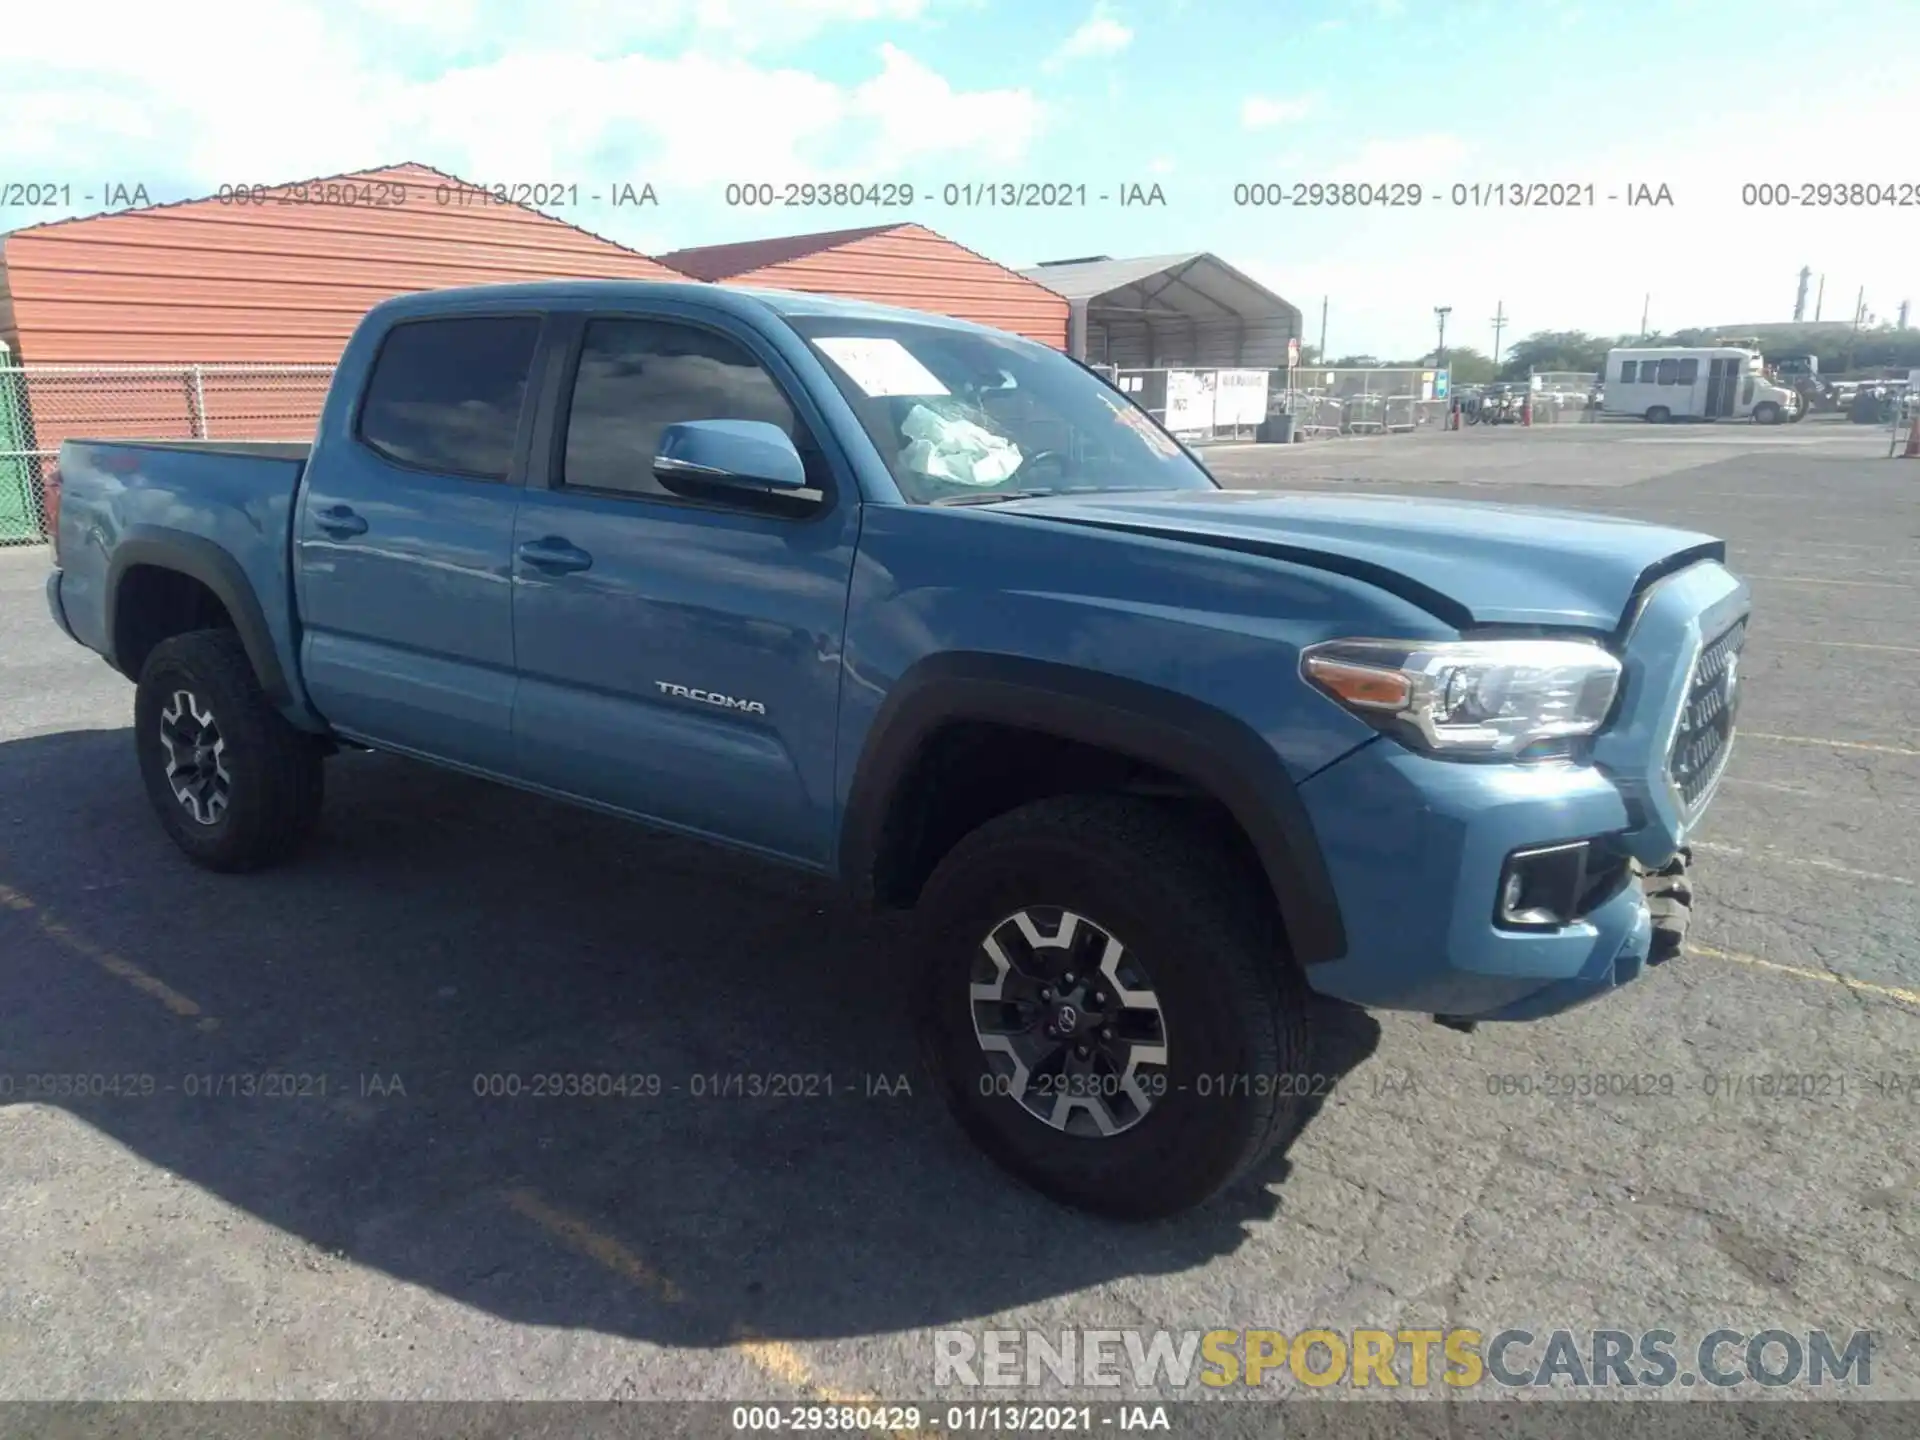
[209, 282]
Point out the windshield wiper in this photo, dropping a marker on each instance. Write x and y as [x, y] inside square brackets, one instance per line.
[989, 497]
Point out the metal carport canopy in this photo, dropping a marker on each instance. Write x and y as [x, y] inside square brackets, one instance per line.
[1191, 309]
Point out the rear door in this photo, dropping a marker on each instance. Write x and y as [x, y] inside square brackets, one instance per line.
[680, 659]
[405, 539]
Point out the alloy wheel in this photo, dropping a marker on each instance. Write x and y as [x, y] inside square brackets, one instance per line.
[196, 757]
[1070, 1022]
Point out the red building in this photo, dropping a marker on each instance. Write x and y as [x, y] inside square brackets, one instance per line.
[906, 265]
[281, 278]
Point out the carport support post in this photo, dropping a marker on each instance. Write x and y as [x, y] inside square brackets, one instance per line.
[196, 404]
[1077, 329]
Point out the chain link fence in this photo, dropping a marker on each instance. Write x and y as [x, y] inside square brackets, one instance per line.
[1224, 405]
[1563, 396]
[43, 405]
[1328, 400]
[1205, 405]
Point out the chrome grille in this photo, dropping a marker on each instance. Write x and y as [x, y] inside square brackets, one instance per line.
[1703, 738]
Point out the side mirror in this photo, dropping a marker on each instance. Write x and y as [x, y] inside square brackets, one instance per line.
[743, 456]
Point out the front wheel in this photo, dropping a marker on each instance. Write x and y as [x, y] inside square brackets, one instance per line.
[1766, 413]
[235, 786]
[1110, 1019]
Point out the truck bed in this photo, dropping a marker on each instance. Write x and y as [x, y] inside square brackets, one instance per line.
[260, 449]
[218, 510]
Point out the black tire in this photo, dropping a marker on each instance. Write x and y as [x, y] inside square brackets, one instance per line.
[1669, 892]
[1658, 415]
[1233, 1004]
[274, 773]
[1766, 413]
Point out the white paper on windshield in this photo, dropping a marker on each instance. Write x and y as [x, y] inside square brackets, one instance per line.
[880, 366]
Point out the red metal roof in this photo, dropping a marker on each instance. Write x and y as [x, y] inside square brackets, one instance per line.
[281, 281]
[724, 262]
[907, 265]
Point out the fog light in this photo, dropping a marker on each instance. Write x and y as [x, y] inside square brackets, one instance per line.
[1512, 893]
[1541, 888]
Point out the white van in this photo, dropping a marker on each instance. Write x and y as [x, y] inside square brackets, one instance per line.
[1707, 382]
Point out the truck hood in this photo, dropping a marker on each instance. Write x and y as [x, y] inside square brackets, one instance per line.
[1469, 563]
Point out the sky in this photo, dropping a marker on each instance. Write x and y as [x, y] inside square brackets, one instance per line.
[1196, 97]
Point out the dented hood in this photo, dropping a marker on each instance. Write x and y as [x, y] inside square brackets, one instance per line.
[1468, 562]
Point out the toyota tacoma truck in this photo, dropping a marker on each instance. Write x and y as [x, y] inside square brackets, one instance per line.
[938, 612]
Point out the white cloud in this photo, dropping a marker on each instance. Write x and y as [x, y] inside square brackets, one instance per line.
[1261, 112]
[1709, 258]
[266, 91]
[1099, 34]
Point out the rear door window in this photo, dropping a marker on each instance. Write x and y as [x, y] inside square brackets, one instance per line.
[446, 395]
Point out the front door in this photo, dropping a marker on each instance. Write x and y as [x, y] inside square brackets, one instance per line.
[679, 659]
[405, 538]
[1723, 379]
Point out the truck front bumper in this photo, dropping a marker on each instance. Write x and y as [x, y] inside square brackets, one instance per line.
[1417, 849]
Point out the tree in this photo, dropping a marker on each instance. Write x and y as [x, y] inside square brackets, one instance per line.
[1466, 364]
[1357, 362]
[1556, 350]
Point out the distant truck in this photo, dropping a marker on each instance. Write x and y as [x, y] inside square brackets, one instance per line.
[937, 612]
[1708, 382]
[1801, 373]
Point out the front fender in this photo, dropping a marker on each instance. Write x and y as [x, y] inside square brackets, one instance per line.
[1206, 746]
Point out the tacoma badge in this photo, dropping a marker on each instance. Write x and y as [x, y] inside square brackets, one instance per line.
[725, 702]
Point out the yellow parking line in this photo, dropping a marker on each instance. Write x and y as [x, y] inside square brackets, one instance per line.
[115, 965]
[774, 1358]
[1822, 580]
[596, 1246]
[1839, 644]
[1835, 744]
[783, 1362]
[1826, 977]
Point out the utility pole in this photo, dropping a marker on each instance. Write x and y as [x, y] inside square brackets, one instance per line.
[1859, 309]
[1819, 299]
[1440, 350]
[1499, 324]
[1323, 329]
[1903, 314]
[1800, 296]
[1643, 314]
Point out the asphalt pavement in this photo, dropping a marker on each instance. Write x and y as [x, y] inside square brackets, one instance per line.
[389, 1223]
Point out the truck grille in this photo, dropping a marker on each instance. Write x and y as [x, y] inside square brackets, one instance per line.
[1703, 739]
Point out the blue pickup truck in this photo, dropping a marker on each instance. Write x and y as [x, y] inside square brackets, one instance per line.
[939, 612]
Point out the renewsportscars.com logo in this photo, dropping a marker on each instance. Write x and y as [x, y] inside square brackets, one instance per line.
[1164, 1360]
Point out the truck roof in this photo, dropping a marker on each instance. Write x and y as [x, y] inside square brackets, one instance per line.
[739, 300]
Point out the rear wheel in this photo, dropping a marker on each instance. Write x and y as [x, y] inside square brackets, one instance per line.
[233, 783]
[1110, 1018]
[1658, 415]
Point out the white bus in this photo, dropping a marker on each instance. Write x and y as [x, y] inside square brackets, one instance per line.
[1707, 382]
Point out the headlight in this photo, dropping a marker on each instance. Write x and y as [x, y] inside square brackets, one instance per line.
[1471, 699]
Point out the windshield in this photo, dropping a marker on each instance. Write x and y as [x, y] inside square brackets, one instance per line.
[961, 415]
